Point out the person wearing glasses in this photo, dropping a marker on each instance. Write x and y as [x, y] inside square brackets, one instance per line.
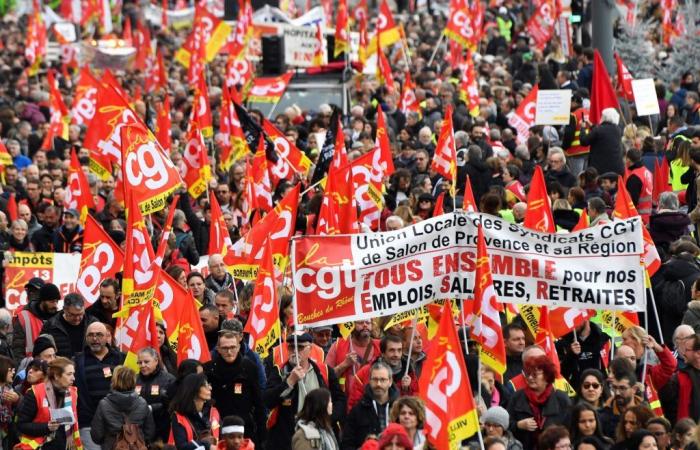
[236, 386]
[593, 389]
[539, 404]
[660, 427]
[68, 327]
[554, 438]
[288, 386]
[624, 390]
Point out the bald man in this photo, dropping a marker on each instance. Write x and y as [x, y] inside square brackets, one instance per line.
[218, 278]
[680, 335]
[93, 376]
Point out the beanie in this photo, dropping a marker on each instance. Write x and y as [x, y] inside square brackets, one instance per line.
[49, 291]
[43, 342]
[394, 430]
[496, 415]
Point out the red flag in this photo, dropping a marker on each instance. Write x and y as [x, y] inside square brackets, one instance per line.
[545, 339]
[541, 23]
[583, 221]
[58, 126]
[524, 116]
[219, 237]
[342, 37]
[126, 32]
[624, 80]
[539, 213]
[101, 259]
[201, 110]
[320, 44]
[269, 89]
[144, 52]
[469, 205]
[487, 327]
[460, 27]
[156, 77]
[602, 93]
[263, 323]
[233, 142]
[35, 49]
[197, 56]
[661, 174]
[624, 209]
[12, 208]
[139, 279]
[409, 102]
[191, 340]
[78, 195]
[85, 98]
[385, 158]
[367, 177]
[164, 125]
[197, 171]
[445, 158]
[384, 73]
[165, 233]
[290, 160]
[259, 185]
[143, 336]
[439, 210]
[444, 385]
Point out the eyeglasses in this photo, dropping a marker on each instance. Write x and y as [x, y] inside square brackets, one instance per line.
[95, 335]
[591, 385]
[227, 349]
[533, 373]
[380, 380]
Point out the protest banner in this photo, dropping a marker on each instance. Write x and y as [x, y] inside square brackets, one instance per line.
[645, 101]
[60, 269]
[299, 45]
[553, 107]
[355, 277]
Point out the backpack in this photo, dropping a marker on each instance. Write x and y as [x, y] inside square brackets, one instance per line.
[130, 437]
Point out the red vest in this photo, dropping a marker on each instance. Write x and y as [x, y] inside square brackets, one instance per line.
[214, 420]
[342, 348]
[576, 148]
[32, 327]
[44, 416]
[644, 203]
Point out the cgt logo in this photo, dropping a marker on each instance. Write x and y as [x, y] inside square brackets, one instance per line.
[444, 385]
[322, 271]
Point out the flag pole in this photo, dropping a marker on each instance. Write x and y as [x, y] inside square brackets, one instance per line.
[294, 303]
[645, 357]
[410, 343]
[464, 328]
[437, 47]
[656, 316]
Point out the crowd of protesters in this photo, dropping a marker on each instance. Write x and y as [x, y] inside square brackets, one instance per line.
[63, 382]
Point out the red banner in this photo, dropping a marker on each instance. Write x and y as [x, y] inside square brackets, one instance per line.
[269, 89]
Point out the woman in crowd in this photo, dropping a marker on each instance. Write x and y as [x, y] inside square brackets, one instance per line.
[685, 434]
[585, 423]
[18, 240]
[194, 421]
[122, 405]
[605, 141]
[538, 405]
[410, 413]
[8, 400]
[201, 293]
[178, 274]
[34, 423]
[641, 440]
[168, 356]
[593, 389]
[634, 418]
[153, 385]
[34, 373]
[555, 437]
[495, 425]
[314, 427]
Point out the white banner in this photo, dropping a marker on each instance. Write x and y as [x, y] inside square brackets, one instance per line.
[645, 101]
[343, 278]
[553, 107]
[299, 45]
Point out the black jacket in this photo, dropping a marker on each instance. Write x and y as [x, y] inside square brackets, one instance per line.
[198, 227]
[155, 389]
[672, 289]
[280, 435]
[93, 378]
[98, 311]
[110, 418]
[555, 412]
[564, 177]
[68, 241]
[200, 425]
[42, 239]
[606, 148]
[514, 367]
[590, 358]
[186, 245]
[19, 338]
[667, 227]
[363, 419]
[56, 327]
[237, 392]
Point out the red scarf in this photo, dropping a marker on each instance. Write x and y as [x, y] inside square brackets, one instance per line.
[536, 402]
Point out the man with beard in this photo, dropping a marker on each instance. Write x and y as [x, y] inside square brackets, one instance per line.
[581, 350]
[42, 239]
[26, 326]
[288, 385]
[93, 376]
[371, 415]
[348, 355]
[624, 389]
[69, 236]
[405, 381]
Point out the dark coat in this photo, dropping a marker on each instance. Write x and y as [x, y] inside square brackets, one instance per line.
[237, 392]
[201, 426]
[186, 244]
[590, 358]
[56, 327]
[564, 177]
[155, 389]
[554, 412]
[25, 414]
[672, 290]
[606, 148]
[280, 435]
[667, 227]
[42, 239]
[111, 412]
[93, 378]
[363, 420]
[198, 227]
[65, 241]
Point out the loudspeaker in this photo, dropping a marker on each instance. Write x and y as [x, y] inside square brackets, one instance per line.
[330, 43]
[257, 4]
[230, 10]
[273, 55]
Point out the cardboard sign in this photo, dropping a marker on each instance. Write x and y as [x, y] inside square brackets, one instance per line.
[553, 107]
[645, 100]
[299, 45]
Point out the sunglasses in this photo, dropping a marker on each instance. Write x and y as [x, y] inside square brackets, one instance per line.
[591, 385]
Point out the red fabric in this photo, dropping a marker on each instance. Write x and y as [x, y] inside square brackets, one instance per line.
[362, 378]
[602, 93]
[663, 371]
[536, 402]
[685, 390]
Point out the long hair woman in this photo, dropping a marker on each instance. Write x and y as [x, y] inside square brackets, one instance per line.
[585, 422]
[194, 421]
[314, 427]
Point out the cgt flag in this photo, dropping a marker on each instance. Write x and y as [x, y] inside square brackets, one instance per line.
[263, 324]
[445, 159]
[444, 385]
[539, 213]
[78, 195]
[101, 259]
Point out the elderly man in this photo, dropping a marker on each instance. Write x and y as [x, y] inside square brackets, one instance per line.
[680, 335]
[68, 327]
[218, 278]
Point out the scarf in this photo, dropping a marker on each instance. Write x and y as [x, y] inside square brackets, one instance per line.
[537, 401]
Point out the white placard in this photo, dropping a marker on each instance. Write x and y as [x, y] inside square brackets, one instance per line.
[299, 45]
[645, 100]
[553, 107]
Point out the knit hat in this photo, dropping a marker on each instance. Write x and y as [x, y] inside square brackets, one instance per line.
[398, 431]
[496, 415]
[43, 342]
[49, 292]
[34, 283]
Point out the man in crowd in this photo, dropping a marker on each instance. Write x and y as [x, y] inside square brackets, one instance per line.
[68, 327]
[514, 335]
[347, 355]
[218, 278]
[107, 304]
[42, 304]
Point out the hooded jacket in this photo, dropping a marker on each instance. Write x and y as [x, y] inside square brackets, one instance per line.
[111, 412]
[672, 285]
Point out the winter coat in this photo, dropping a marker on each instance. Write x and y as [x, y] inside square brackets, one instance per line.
[692, 315]
[19, 337]
[279, 435]
[93, 378]
[42, 239]
[555, 412]
[309, 437]
[155, 388]
[565, 218]
[363, 420]
[57, 328]
[186, 244]
[672, 288]
[198, 227]
[201, 427]
[111, 412]
[564, 177]
[237, 392]
[668, 226]
[606, 148]
[590, 357]
[68, 241]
